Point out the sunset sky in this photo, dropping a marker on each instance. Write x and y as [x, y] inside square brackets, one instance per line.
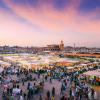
[42, 22]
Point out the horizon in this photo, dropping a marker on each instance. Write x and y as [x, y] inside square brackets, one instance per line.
[46, 46]
[42, 22]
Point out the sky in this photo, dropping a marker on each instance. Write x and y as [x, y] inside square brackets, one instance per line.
[42, 22]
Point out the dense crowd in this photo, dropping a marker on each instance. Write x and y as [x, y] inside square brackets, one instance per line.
[29, 85]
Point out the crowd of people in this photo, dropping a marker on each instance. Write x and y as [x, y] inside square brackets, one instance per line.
[31, 85]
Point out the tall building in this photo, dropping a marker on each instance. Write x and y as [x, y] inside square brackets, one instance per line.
[54, 47]
[61, 46]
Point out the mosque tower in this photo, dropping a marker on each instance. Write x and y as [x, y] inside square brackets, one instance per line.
[61, 46]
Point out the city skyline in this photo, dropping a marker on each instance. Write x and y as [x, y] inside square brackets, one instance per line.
[43, 22]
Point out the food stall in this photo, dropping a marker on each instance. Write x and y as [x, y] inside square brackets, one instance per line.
[93, 75]
[4, 64]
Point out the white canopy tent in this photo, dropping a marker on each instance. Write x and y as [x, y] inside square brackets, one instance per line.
[93, 73]
[4, 64]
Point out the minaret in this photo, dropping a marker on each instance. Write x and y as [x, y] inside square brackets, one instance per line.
[61, 46]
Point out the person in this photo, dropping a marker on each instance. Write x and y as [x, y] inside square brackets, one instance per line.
[92, 93]
[61, 89]
[24, 96]
[62, 98]
[50, 80]
[10, 90]
[89, 95]
[53, 91]
[48, 95]
[21, 97]
[40, 98]
[28, 95]
[95, 95]
[70, 92]
[28, 86]
[66, 97]
[11, 97]
[53, 98]
[23, 81]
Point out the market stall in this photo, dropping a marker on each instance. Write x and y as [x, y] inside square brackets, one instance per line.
[93, 76]
[4, 64]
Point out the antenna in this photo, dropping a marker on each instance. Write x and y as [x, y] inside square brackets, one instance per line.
[74, 48]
